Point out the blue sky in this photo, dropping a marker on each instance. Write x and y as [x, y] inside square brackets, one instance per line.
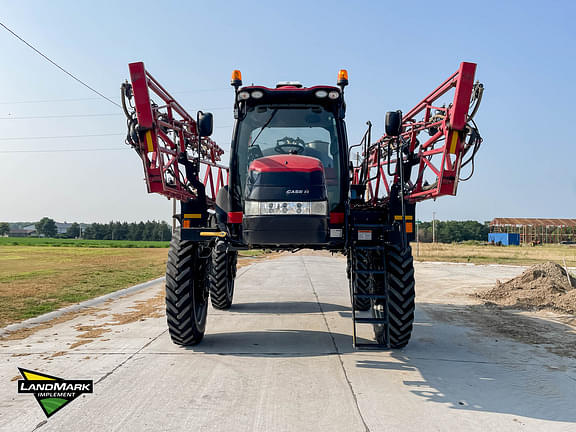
[395, 55]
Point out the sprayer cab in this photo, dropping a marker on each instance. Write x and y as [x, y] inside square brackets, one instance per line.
[288, 165]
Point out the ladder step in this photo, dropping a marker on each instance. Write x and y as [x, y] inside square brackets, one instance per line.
[370, 271]
[370, 296]
[371, 321]
[370, 346]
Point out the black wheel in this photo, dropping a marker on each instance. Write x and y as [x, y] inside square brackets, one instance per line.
[186, 291]
[401, 294]
[359, 259]
[222, 274]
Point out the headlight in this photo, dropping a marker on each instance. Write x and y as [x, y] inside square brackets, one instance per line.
[251, 208]
[269, 208]
[257, 94]
[321, 93]
[243, 95]
[334, 94]
[319, 208]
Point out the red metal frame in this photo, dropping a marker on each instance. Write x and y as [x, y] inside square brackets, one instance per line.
[167, 131]
[440, 156]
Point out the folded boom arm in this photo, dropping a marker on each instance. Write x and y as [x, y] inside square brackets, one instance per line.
[439, 158]
[166, 138]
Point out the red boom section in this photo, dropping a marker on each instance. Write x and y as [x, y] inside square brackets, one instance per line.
[166, 138]
[439, 158]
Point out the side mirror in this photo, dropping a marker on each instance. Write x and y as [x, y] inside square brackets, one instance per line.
[205, 124]
[393, 123]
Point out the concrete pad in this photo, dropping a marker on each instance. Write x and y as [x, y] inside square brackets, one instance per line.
[281, 359]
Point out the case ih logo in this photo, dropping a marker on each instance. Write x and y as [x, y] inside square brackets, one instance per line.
[297, 191]
[52, 393]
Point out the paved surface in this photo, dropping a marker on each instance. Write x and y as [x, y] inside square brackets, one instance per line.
[281, 360]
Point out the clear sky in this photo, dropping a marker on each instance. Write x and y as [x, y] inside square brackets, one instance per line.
[395, 52]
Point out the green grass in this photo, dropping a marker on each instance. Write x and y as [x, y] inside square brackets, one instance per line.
[55, 242]
[40, 275]
[39, 279]
[252, 253]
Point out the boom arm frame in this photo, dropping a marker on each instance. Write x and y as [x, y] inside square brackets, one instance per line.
[166, 138]
[440, 156]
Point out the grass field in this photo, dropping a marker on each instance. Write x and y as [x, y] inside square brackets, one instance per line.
[38, 279]
[54, 242]
[488, 254]
[42, 275]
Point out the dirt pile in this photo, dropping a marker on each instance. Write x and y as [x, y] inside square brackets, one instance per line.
[542, 286]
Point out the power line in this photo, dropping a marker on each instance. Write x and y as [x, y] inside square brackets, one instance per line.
[48, 100]
[33, 117]
[59, 136]
[59, 116]
[65, 151]
[93, 98]
[76, 136]
[60, 67]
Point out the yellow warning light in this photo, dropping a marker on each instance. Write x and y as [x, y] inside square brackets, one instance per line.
[236, 78]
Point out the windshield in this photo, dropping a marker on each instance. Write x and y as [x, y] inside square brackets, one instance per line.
[306, 131]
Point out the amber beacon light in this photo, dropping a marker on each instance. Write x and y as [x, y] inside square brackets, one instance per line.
[236, 78]
[343, 78]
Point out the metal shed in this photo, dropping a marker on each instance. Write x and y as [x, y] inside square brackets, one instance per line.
[536, 230]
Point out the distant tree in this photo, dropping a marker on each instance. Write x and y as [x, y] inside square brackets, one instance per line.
[132, 231]
[120, 231]
[89, 233]
[101, 231]
[148, 233]
[140, 231]
[4, 228]
[453, 231]
[47, 227]
[73, 231]
[162, 231]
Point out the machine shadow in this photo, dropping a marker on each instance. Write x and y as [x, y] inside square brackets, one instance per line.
[287, 307]
[280, 343]
[507, 380]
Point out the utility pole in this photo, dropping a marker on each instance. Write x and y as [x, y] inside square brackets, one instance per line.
[433, 227]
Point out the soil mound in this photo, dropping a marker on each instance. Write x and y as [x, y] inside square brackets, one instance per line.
[542, 286]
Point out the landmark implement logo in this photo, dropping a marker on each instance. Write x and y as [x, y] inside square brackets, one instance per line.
[52, 393]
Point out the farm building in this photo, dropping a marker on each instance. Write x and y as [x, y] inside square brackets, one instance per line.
[535, 230]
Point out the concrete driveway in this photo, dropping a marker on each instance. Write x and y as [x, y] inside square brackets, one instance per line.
[282, 360]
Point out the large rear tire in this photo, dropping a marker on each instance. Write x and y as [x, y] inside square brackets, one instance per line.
[359, 282]
[401, 296]
[222, 274]
[186, 291]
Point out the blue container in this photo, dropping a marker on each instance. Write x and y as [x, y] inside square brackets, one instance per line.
[505, 239]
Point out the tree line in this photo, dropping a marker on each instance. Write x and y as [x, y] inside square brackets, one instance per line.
[147, 231]
[446, 231]
[454, 231]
